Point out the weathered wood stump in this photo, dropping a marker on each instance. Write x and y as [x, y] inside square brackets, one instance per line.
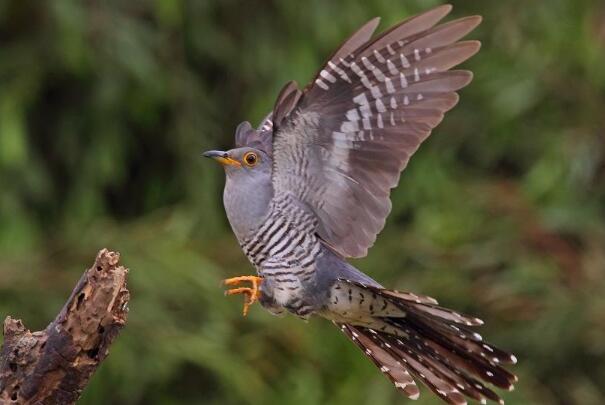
[54, 365]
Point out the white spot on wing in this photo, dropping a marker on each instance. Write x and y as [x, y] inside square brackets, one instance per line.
[392, 69]
[359, 72]
[339, 71]
[327, 75]
[404, 61]
[349, 126]
[376, 93]
[364, 106]
[403, 81]
[352, 114]
[321, 84]
[379, 57]
[389, 85]
[344, 62]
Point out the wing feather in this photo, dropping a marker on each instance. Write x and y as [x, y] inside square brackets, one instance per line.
[340, 145]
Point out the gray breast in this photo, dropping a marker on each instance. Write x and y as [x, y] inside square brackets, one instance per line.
[285, 240]
[247, 197]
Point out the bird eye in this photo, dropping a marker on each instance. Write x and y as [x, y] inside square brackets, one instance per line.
[250, 159]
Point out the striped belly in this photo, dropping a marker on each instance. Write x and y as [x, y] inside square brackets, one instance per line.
[284, 251]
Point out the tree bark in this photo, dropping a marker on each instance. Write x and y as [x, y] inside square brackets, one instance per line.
[54, 365]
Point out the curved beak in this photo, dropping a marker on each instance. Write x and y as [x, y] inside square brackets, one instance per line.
[221, 157]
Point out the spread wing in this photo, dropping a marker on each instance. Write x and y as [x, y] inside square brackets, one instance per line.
[340, 145]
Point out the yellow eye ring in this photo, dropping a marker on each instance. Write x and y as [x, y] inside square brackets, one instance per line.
[250, 159]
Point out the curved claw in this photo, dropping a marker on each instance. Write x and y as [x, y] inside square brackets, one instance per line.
[252, 293]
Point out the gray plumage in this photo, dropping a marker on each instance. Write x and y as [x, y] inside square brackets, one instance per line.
[310, 187]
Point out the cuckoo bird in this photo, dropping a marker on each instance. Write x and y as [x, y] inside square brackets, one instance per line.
[309, 188]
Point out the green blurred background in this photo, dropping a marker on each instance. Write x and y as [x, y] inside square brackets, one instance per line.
[105, 107]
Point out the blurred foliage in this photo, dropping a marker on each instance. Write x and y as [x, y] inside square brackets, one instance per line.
[105, 107]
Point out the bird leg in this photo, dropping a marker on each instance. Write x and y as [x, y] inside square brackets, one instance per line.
[252, 293]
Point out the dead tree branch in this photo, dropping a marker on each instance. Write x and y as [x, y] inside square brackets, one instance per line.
[53, 366]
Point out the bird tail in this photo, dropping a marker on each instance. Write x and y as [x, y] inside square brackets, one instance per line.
[434, 345]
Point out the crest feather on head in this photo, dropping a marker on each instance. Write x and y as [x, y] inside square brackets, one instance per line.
[261, 138]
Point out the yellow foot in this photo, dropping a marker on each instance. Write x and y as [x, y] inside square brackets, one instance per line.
[252, 293]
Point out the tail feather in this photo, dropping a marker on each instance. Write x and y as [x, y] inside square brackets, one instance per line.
[434, 345]
[463, 337]
[450, 372]
[445, 314]
[452, 367]
[425, 369]
[473, 355]
[384, 360]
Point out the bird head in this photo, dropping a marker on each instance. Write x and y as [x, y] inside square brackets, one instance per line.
[248, 167]
[252, 154]
[242, 162]
[248, 188]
